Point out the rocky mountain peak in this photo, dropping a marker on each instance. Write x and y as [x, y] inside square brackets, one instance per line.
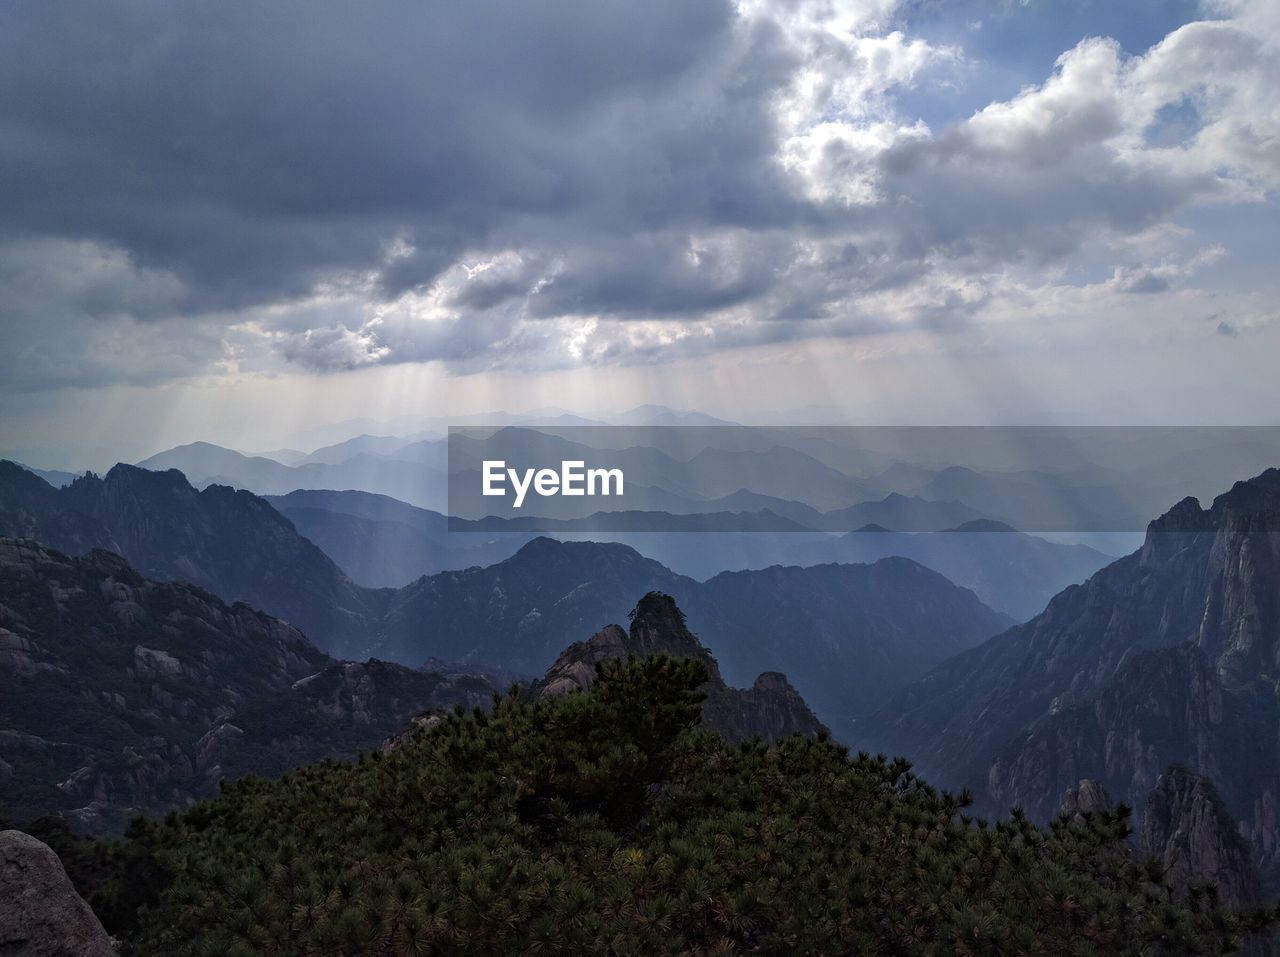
[1086, 797]
[658, 626]
[1240, 627]
[770, 709]
[1188, 828]
[1169, 533]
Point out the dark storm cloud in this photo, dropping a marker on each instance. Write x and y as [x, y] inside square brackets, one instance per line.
[254, 149]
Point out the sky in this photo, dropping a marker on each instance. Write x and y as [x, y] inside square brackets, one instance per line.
[237, 221]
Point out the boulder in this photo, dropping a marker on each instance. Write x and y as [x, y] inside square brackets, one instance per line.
[42, 915]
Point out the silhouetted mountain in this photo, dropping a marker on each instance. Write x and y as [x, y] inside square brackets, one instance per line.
[203, 461]
[1010, 571]
[120, 694]
[204, 464]
[769, 709]
[54, 477]
[32, 508]
[230, 542]
[1167, 656]
[522, 611]
[661, 415]
[382, 542]
[336, 454]
[901, 513]
[846, 635]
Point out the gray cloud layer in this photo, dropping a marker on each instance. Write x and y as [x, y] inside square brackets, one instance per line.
[489, 185]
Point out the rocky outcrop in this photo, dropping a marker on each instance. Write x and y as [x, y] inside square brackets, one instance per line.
[769, 709]
[1087, 797]
[1187, 827]
[41, 915]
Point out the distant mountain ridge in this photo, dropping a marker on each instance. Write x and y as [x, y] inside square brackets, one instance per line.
[207, 464]
[382, 542]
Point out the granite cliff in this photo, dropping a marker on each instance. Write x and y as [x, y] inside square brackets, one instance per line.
[1170, 656]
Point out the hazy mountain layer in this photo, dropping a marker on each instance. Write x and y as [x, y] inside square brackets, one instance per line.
[230, 542]
[380, 541]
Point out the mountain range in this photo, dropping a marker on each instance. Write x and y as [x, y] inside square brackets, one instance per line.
[1168, 656]
[807, 478]
[848, 634]
[206, 464]
[868, 628]
[229, 542]
[1154, 680]
[120, 695]
[382, 542]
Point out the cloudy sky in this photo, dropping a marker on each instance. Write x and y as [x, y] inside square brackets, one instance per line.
[236, 221]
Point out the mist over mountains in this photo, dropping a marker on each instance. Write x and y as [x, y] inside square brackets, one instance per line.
[823, 479]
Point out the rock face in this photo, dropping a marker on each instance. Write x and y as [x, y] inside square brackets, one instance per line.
[1170, 656]
[1086, 797]
[41, 915]
[229, 542]
[770, 709]
[1187, 827]
[121, 695]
